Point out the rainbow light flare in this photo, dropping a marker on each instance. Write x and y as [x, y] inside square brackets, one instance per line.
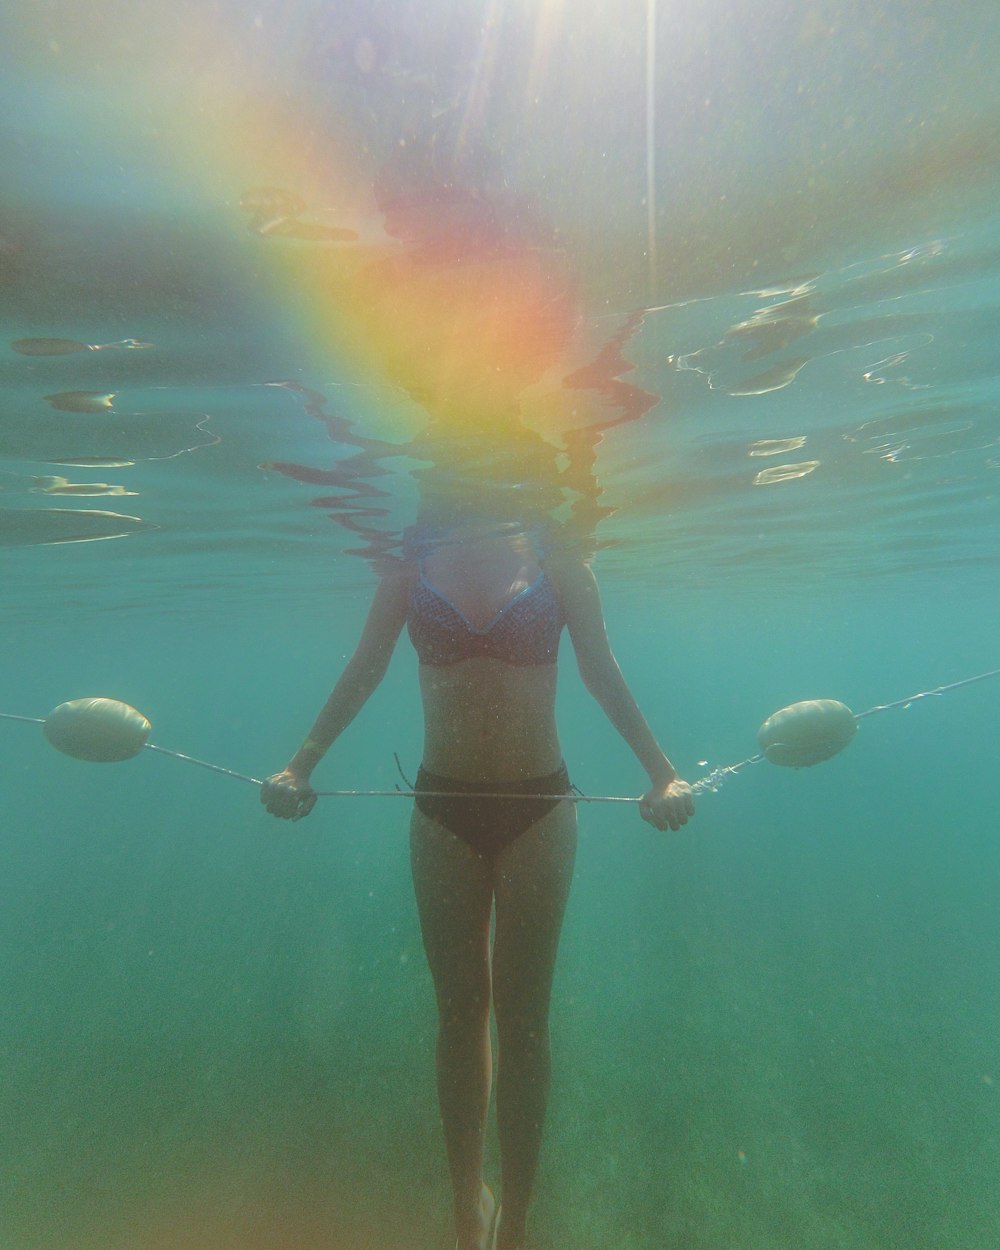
[409, 268]
[452, 292]
[446, 296]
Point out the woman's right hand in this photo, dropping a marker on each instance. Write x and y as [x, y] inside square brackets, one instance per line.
[669, 806]
[287, 795]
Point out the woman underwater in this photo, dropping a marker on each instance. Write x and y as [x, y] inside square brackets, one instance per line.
[485, 600]
[470, 308]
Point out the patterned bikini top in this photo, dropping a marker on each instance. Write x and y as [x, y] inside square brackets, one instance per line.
[525, 630]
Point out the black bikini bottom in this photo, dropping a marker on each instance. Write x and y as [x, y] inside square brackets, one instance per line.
[485, 823]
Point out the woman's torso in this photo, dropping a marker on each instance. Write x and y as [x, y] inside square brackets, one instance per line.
[485, 620]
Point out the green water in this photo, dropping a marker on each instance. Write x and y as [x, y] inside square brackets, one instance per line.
[776, 1030]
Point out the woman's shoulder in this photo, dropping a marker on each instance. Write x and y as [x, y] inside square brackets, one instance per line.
[396, 578]
[419, 541]
[400, 576]
[569, 573]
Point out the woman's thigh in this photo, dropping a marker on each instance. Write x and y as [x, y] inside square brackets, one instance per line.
[532, 882]
[454, 891]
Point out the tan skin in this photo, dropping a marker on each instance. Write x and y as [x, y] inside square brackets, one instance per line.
[487, 720]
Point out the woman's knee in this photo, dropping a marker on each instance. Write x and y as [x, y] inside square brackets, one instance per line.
[522, 1022]
[464, 1013]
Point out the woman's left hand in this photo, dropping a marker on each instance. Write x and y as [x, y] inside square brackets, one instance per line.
[668, 807]
[287, 795]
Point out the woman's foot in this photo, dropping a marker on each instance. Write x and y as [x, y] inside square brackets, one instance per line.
[494, 1232]
[485, 1234]
[506, 1237]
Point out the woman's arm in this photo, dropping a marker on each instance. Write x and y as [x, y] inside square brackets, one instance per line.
[669, 801]
[288, 793]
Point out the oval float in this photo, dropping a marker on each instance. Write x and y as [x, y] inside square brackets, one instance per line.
[807, 733]
[100, 730]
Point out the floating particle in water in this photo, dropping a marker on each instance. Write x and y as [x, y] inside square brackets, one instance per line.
[771, 380]
[785, 472]
[81, 401]
[64, 347]
[63, 486]
[775, 446]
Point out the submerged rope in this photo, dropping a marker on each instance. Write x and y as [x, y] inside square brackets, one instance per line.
[710, 783]
[713, 780]
[395, 793]
[927, 694]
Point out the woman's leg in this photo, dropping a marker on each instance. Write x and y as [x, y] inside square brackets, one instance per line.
[532, 882]
[454, 889]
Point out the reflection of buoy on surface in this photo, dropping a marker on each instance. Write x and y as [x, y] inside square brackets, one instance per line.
[807, 733]
[101, 730]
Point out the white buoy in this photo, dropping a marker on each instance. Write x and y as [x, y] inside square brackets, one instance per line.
[807, 733]
[101, 730]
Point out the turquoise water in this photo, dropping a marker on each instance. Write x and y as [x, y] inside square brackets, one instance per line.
[775, 1031]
